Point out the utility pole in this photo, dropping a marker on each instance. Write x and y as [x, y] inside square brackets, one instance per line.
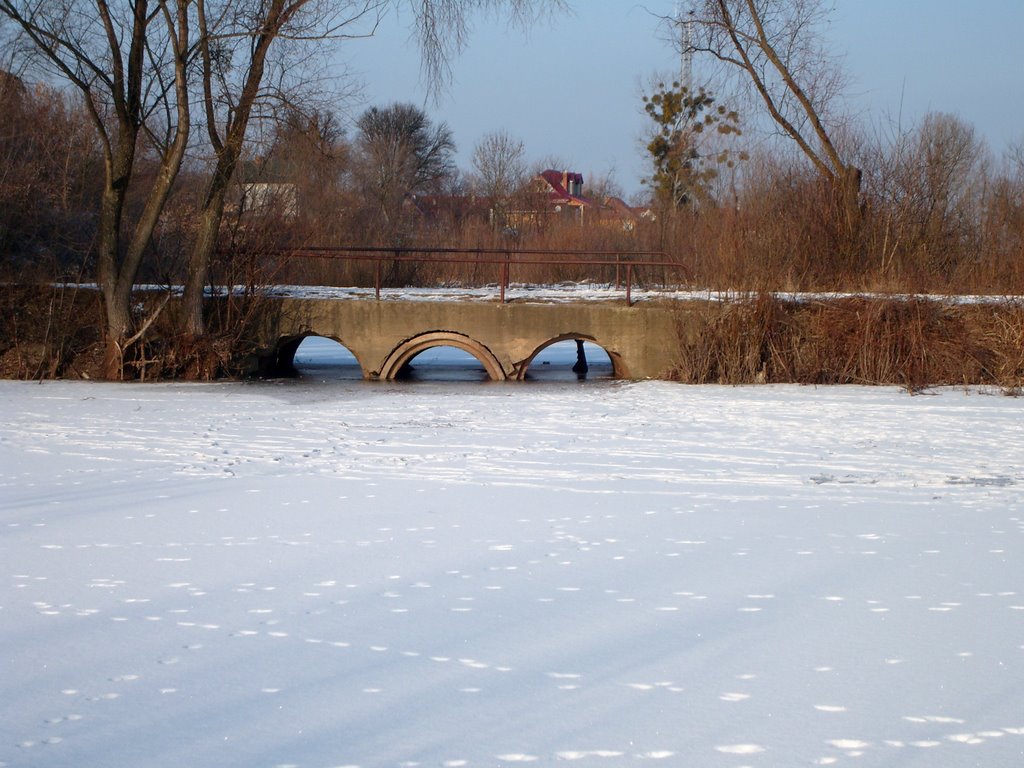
[685, 23]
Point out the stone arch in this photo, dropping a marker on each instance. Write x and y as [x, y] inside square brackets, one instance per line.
[409, 348]
[618, 367]
[287, 346]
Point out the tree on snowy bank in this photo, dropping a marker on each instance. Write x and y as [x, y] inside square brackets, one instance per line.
[129, 63]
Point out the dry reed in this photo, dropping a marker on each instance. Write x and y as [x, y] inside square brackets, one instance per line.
[915, 343]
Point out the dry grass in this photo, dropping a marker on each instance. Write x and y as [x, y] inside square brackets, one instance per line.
[45, 332]
[915, 343]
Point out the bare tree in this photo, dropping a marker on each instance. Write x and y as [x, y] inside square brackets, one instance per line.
[499, 160]
[400, 152]
[235, 41]
[1015, 159]
[310, 153]
[777, 48]
[49, 164]
[128, 60]
[1006, 212]
[947, 159]
[442, 27]
[933, 192]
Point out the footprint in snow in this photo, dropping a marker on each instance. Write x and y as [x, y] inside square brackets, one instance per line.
[966, 738]
[942, 719]
[564, 675]
[584, 754]
[734, 697]
[64, 719]
[848, 744]
[740, 749]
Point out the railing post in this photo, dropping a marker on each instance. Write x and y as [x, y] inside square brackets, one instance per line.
[504, 275]
[629, 283]
[618, 261]
[376, 277]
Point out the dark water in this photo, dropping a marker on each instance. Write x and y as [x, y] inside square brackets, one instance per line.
[325, 360]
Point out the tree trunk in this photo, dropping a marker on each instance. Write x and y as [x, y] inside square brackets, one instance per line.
[851, 210]
[193, 324]
[116, 302]
[118, 317]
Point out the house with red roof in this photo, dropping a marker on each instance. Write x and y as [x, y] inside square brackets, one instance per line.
[562, 193]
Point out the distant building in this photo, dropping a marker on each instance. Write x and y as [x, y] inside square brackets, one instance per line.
[628, 215]
[564, 193]
[560, 193]
[267, 188]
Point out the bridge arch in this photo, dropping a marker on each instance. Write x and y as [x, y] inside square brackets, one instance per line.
[409, 348]
[618, 367]
[288, 346]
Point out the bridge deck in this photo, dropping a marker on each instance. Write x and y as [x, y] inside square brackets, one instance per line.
[569, 293]
[547, 294]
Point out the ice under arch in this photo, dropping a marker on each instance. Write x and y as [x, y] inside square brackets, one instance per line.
[409, 348]
[287, 347]
[523, 369]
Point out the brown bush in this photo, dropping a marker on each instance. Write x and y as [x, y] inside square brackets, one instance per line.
[42, 331]
[915, 343]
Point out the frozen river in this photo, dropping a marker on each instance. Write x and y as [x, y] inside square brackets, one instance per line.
[320, 359]
[324, 573]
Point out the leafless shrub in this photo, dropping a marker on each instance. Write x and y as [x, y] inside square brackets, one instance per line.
[914, 343]
[42, 335]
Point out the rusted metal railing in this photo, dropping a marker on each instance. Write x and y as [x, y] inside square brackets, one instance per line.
[623, 261]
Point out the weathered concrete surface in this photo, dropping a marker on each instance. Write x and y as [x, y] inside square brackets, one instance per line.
[642, 340]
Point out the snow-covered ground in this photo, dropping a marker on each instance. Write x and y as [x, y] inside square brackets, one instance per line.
[328, 573]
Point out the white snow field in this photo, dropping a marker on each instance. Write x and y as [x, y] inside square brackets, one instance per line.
[329, 573]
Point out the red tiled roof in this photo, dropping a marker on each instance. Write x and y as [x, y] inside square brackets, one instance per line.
[559, 194]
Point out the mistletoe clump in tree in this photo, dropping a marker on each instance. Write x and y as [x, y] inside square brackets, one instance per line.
[685, 160]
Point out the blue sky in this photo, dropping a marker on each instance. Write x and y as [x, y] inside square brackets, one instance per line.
[570, 87]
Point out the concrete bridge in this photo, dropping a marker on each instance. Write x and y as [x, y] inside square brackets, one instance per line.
[641, 340]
